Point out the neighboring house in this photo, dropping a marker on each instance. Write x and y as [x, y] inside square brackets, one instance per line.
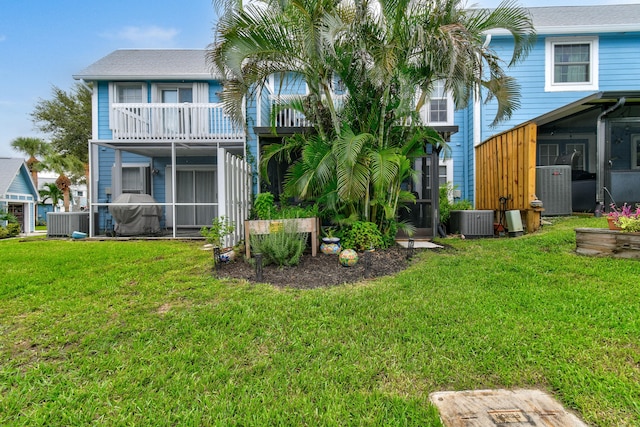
[18, 194]
[580, 87]
[78, 199]
[159, 132]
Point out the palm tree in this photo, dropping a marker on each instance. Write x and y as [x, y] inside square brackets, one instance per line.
[64, 166]
[34, 148]
[387, 53]
[51, 191]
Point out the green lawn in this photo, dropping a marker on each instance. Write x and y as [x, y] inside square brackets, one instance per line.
[140, 333]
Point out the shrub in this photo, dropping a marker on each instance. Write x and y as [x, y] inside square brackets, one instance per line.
[283, 247]
[289, 212]
[362, 235]
[446, 206]
[4, 233]
[264, 206]
[13, 229]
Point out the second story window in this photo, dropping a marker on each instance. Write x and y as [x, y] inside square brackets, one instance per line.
[129, 93]
[439, 106]
[571, 64]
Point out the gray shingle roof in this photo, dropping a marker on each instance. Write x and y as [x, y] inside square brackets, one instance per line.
[606, 17]
[9, 168]
[153, 64]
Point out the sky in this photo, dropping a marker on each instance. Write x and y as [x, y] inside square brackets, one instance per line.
[44, 42]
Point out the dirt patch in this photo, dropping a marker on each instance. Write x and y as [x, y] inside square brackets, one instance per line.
[322, 270]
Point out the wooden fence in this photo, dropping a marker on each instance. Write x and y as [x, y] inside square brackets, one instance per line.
[506, 168]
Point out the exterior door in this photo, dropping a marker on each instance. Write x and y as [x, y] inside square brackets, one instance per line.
[196, 189]
[425, 188]
[176, 120]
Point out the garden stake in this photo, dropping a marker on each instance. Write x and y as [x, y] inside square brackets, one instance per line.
[367, 264]
[216, 257]
[410, 249]
[258, 267]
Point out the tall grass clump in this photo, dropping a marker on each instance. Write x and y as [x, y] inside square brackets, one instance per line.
[282, 247]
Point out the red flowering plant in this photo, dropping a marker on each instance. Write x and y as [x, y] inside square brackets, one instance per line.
[627, 218]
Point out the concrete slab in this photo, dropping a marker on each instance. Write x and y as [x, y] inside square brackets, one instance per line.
[504, 408]
[419, 244]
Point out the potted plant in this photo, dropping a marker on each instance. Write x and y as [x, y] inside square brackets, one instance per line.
[330, 244]
[216, 234]
[625, 218]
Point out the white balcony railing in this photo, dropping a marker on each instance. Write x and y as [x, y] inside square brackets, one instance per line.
[204, 122]
[291, 118]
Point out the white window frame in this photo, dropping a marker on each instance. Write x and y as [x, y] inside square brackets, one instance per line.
[425, 111]
[113, 95]
[144, 174]
[550, 44]
[158, 88]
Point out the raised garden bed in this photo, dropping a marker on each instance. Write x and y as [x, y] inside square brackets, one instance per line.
[266, 226]
[604, 242]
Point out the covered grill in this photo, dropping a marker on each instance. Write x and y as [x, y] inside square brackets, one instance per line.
[138, 217]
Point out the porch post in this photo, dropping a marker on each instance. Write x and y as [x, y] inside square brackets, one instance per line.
[435, 190]
[116, 183]
[90, 190]
[601, 152]
[173, 188]
[222, 184]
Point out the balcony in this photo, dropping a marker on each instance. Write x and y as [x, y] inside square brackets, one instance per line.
[287, 117]
[173, 122]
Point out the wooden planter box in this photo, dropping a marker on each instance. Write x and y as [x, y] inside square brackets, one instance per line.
[267, 226]
[603, 242]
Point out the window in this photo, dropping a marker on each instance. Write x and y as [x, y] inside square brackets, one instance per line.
[439, 107]
[548, 154]
[129, 93]
[135, 179]
[571, 64]
[178, 95]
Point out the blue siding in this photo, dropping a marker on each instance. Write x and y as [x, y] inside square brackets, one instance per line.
[215, 87]
[22, 185]
[462, 153]
[620, 61]
[289, 84]
[104, 132]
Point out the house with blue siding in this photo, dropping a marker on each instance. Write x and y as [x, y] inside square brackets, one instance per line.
[580, 86]
[18, 194]
[163, 153]
[160, 129]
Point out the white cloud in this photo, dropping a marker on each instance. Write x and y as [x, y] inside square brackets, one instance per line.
[151, 36]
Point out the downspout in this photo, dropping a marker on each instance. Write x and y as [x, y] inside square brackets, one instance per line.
[600, 155]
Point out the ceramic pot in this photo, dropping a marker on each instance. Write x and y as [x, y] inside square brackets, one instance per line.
[330, 248]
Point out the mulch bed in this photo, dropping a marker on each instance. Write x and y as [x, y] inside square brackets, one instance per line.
[321, 270]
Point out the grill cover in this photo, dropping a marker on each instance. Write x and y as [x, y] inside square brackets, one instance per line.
[136, 219]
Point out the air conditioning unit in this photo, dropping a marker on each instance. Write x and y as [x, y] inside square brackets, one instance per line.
[63, 224]
[472, 223]
[553, 187]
